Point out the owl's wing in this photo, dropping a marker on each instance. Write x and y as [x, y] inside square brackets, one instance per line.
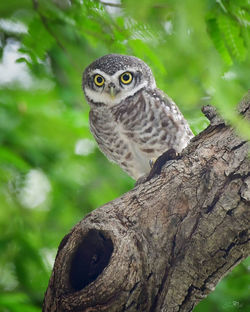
[153, 122]
[175, 113]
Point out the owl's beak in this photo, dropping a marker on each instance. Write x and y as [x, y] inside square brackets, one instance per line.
[112, 92]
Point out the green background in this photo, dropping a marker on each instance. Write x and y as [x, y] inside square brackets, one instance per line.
[51, 172]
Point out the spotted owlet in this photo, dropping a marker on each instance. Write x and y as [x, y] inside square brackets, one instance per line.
[132, 121]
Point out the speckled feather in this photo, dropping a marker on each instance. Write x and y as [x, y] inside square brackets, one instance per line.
[141, 123]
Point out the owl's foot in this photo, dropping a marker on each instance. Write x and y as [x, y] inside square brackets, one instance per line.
[143, 178]
[157, 164]
[160, 162]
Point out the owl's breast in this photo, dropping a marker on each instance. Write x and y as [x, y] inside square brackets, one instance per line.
[102, 126]
[115, 133]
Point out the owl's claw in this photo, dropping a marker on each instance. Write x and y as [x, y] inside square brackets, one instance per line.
[156, 165]
[160, 162]
[152, 162]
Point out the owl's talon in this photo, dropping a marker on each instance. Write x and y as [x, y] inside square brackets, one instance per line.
[170, 154]
[152, 162]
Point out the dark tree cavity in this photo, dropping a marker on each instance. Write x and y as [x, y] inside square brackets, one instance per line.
[90, 258]
[164, 245]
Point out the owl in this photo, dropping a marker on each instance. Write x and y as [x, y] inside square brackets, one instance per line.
[132, 120]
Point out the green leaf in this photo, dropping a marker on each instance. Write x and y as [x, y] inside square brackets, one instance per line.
[38, 40]
[7, 156]
[218, 41]
[231, 34]
[17, 302]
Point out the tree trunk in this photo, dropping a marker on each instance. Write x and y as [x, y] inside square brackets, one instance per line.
[164, 245]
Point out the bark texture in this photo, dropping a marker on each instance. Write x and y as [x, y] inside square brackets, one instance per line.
[164, 245]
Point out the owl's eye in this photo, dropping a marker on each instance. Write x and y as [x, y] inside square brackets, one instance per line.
[99, 80]
[126, 78]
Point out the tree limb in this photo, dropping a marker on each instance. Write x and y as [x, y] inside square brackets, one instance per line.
[164, 245]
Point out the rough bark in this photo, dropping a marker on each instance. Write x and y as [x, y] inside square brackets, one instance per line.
[164, 245]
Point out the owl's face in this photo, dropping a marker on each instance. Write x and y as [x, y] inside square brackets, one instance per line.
[114, 77]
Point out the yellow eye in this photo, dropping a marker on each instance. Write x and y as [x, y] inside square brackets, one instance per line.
[126, 78]
[99, 80]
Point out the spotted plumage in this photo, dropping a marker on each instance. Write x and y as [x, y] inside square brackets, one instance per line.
[132, 121]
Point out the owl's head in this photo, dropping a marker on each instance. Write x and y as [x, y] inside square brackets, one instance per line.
[114, 77]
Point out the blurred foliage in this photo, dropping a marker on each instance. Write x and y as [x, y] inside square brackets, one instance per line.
[51, 173]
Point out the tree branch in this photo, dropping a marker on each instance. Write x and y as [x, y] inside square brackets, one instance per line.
[164, 245]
